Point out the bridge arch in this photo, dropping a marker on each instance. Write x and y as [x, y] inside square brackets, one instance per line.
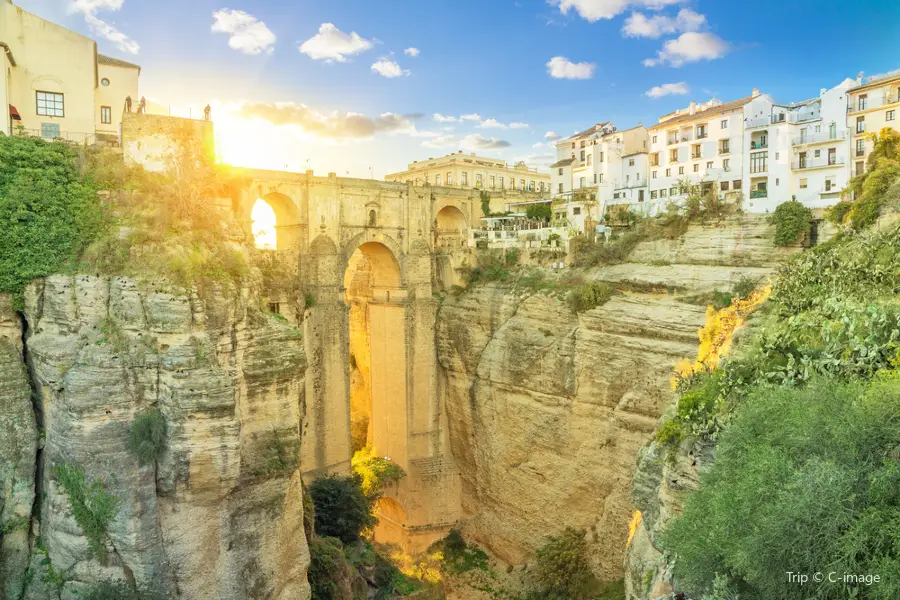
[287, 220]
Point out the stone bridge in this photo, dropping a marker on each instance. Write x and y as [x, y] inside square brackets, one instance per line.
[371, 254]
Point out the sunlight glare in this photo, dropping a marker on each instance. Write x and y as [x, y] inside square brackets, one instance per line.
[263, 218]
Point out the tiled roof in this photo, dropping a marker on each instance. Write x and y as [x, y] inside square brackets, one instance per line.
[589, 130]
[877, 82]
[562, 163]
[116, 62]
[709, 112]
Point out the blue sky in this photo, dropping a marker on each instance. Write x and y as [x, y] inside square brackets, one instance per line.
[287, 87]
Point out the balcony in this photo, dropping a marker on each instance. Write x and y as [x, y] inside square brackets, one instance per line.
[702, 136]
[696, 156]
[754, 194]
[757, 122]
[874, 102]
[71, 137]
[671, 141]
[759, 145]
[817, 163]
[724, 151]
[817, 138]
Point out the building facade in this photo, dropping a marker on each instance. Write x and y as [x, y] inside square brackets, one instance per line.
[872, 106]
[470, 171]
[56, 85]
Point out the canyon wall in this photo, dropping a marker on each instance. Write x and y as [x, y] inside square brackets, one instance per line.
[549, 409]
[220, 512]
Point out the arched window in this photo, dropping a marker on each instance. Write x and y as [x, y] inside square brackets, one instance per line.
[372, 218]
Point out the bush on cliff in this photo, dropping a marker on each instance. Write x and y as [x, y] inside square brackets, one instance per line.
[119, 590]
[147, 436]
[877, 186]
[792, 222]
[588, 295]
[342, 510]
[805, 481]
[562, 570]
[48, 211]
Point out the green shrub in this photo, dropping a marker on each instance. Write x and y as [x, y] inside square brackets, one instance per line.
[669, 434]
[92, 506]
[590, 294]
[837, 214]
[328, 568]
[539, 212]
[491, 265]
[48, 211]
[375, 472]
[586, 253]
[792, 222]
[147, 436]
[460, 557]
[342, 510]
[562, 570]
[815, 473]
[118, 590]
[745, 286]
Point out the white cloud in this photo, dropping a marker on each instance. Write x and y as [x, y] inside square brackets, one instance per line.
[470, 117]
[518, 125]
[90, 8]
[389, 69]
[444, 119]
[473, 141]
[594, 10]
[552, 136]
[414, 52]
[560, 67]
[668, 89]
[639, 25]
[492, 124]
[538, 146]
[247, 34]
[333, 125]
[689, 47]
[544, 159]
[333, 44]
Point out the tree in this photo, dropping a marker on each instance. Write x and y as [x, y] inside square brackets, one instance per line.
[562, 570]
[870, 189]
[539, 212]
[485, 203]
[342, 509]
[792, 222]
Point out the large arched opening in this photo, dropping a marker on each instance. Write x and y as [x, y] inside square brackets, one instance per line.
[275, 222]
[450, 238]
[374, 294]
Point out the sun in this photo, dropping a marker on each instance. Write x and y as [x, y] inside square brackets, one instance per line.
[263, 228]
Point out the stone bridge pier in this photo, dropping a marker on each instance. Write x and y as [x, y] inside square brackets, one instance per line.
[369, 256]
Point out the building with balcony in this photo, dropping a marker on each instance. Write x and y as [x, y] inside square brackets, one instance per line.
[592, 165]
[872, 106]
[702, 146]
[56, 85]
[796, 151]
[471, 171]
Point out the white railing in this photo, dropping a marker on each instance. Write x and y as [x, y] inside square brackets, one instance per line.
[815, 163]
[824, 136]
[874, 102]
[757, 122]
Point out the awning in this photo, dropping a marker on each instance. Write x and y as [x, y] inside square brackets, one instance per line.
[14, 114]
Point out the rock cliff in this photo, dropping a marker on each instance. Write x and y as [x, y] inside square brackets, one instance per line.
[220, 513]
[548, 409]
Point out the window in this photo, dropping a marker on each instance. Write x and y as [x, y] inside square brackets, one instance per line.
[582, 143]
[889, 115]
[663, 193]
[832, 156]
[863, 102]
[654, 139]
[724, 124]
[531, 186]
[560, 170]
[860, 124]
[373, 217]
[828, 184]
[104, 82]
[673, 155]
[576, 210]
[590, 159]
[630, 162]
[50, 104]
[860, 167]
[673, 191]
[500, 181]
[105, 114]
[759, 162]
[701, 132]
[640, 195]
[802, 164]
[804, 184]
[479, 181]
[777, 181]
[818, 154]
[696, 168]
[493, 181]
[601, 177]
[653, 194]
[736, 184]
[724, 186]
[437, 179]
[601, 157]
[668, 172]
[627, 178]
[464, 178]
[595, 178]
[709, 164]
[582, 156]
[726, 163]
[426, 178]
[654, 174]
[560, 188]
[581, 182]
[49, 130]
[681, 170]
[776, 155]
[449, 178]
[522, 184]
[725, 147]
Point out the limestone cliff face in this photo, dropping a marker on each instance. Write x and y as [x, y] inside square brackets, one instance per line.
[548, 410]
[220, 514]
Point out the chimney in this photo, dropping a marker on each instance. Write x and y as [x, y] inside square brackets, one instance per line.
[859, 77]
[822, 91]
[692, 109]
[754, 93]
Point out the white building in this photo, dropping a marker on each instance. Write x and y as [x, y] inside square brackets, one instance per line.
[799, 151]
[872, 106]
[700, 145]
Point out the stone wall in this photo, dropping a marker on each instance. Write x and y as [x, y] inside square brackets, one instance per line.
[153, 140]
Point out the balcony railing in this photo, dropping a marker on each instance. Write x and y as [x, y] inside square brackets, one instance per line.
[71, 137]
[724, 151]
[701, 136]
[817, 163]
[814, 138]
[696, 156]
[874, 102]
[757, 122]
[671, 141]
[759, 145]
[759, 194]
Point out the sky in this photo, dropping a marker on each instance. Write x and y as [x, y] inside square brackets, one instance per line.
[362, 88]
